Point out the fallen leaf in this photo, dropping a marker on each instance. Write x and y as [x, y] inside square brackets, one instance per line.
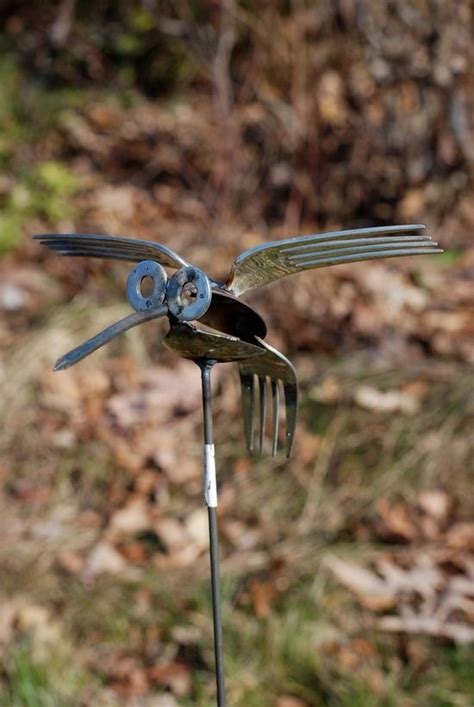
[386, 401]
[134, 551]
[103, 558]
[372, 591]
[461, 536]
[262, 595]
[354, 654]
[424, 577]
[197, 526]
[172, 533]
[175, 675]
[396, 521]
[427, 626]
[329, 391]
[435, 503]
[132, 518]
[289, 701]
[165, 700]
[71, 561]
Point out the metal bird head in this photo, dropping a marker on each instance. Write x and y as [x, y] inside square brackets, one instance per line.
[209, 321]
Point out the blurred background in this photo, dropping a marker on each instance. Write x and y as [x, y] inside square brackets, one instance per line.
[348, 572]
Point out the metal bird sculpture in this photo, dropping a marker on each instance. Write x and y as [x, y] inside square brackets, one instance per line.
[237, 331]
[209, 323]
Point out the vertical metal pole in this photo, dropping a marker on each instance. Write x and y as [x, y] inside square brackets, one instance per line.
[210, 492]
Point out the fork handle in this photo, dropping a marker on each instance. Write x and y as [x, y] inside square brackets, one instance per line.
[210, 494]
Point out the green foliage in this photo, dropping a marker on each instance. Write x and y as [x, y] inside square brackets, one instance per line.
[44, 192]
[49, 681]
[143, 20]
[10, 229]
[10, 123]
[449, 257]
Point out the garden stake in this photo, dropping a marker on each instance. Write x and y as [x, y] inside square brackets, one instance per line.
[234, 331]
[210, 495]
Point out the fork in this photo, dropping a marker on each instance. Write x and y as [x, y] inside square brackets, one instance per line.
[271, 371]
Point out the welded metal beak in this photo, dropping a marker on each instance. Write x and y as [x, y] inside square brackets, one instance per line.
[103, 337]
[184, 297]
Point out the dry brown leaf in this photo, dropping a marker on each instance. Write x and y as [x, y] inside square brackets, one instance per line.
[134, 551]
[162, 393]
[132, 518]
[329, 391]
[461, 536]
[372, 591]
[262, 595]
[396, 520]
[435, 503]
[103, 558]
[386, 401]
[197, 527]
[175, 675]
[290, 701]
[71, 561]
[308, 445]
[428, 626]
[423, 578]
[128, 677]
[171, 532]
[412, 204]
[166, 700]
[240, 534]
[353, 655]
[21, 615]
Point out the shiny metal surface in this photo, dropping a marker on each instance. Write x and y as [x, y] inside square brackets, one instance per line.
[237, 330]
[270, 371]
[265, 263]
[156, 272]
[233, 316]
[103, 337]
[92, 246]
[190, 341]
[188, 294]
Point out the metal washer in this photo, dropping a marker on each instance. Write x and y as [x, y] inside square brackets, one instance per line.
[146, 268]
[179, 308]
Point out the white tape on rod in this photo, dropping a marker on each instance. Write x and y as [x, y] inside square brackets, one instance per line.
[209, 474]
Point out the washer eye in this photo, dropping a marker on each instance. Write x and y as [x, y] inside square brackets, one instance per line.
[188, 294]
[146, 285]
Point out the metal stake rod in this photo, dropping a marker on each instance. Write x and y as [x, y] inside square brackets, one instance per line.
[210, 492]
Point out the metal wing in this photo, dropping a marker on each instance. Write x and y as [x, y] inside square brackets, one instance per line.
[267, 262]
[82, 244]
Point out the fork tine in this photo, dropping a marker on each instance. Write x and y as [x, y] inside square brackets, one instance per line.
[99, 250]
[117, 254]
[248, 405]
[291, 407]
[358, 245]
[276, 415]
[274, 367]
[262, 389]
[353, 255]
[96, 246]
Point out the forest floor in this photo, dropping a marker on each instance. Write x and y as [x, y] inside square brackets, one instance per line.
[348, 571]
